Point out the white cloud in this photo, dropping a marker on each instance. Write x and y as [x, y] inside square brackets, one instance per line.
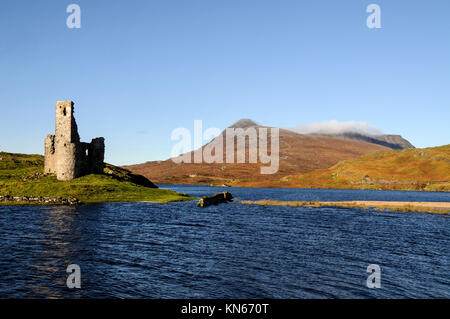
[335, 127]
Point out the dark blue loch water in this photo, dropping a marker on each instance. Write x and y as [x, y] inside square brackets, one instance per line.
[146, 250]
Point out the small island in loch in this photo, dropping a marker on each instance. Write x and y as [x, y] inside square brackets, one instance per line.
[23, 181]
[73, 172]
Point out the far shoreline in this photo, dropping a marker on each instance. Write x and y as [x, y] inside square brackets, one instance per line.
[397, 206]
[308, 188]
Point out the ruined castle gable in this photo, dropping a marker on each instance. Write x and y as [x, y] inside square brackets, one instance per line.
[65, 155]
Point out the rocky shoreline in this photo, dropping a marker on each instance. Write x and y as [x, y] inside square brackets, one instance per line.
[40, 200]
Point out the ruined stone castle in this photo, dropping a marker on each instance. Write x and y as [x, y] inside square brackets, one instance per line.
[65, 155]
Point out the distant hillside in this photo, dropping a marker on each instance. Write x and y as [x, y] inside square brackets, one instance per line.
[23, 175]
[359, 131]
[299, 153]
[395, 142]
[410, 169]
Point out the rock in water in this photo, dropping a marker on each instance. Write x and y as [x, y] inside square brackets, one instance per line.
[224, 197]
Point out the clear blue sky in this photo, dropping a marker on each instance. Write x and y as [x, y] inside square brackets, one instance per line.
[139, 69]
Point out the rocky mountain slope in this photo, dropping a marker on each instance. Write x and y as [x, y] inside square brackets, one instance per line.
[395, 142]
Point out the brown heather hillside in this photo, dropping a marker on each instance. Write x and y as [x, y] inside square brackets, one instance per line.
[410, 169]
[299, 154]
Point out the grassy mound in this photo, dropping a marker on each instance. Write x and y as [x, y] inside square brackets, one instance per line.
[22, 175]
[425, 169]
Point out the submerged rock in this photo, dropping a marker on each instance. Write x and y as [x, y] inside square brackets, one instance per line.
[224, 197]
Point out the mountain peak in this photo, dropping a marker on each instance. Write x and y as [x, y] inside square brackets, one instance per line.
[244, 123]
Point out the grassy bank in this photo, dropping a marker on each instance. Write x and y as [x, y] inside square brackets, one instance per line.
[22, 175]
[425, 207]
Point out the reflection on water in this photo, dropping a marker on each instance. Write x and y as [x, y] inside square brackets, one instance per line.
[176, 250]
[59, 231]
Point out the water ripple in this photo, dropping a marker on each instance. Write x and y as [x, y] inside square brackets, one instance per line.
[147, 250]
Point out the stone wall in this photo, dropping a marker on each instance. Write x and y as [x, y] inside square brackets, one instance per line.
[49, 154]
[97, 155]
[65, 155]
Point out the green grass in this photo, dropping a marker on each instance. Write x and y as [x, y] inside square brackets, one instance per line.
[22, 175]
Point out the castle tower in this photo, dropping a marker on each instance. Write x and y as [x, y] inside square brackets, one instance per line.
[66, 142]
[65, 155]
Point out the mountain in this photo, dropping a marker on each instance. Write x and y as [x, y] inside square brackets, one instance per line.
[244, 123]
[298, 153]
[410, 169]
[395, 142]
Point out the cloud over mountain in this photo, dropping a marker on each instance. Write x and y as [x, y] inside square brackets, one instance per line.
[334, 127]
